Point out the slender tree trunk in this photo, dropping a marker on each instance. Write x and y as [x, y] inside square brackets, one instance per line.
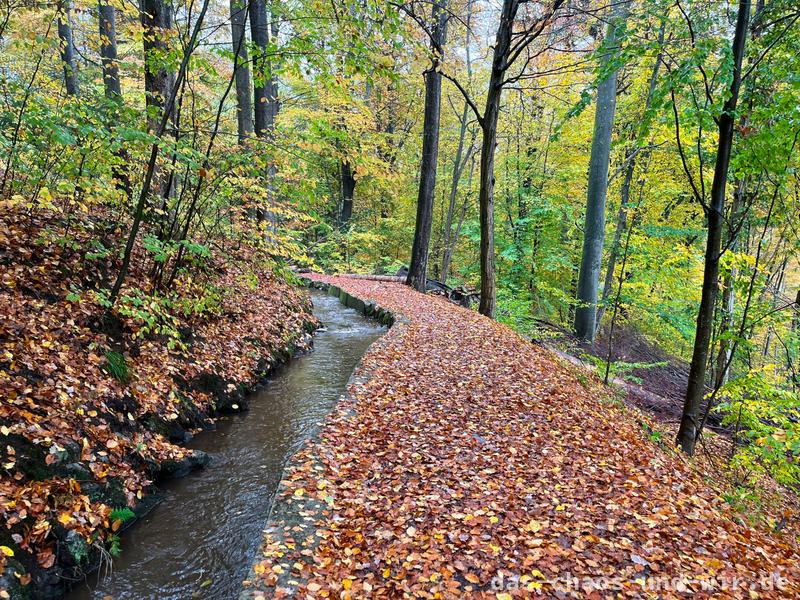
[622, 222]
[460, 161]
[417, 272]
[348, 182]
[452, 238]
[626, 186]
[488, 124]
[689, 428]
[244, 104]
[722, 367]
[486, 201]
[151, 163]
[594, 232]
[271, 85]
[459, 164]
[67, 48]
[264, 32]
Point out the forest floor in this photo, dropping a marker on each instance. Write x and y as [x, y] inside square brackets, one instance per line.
[466, 460]
[94, 405]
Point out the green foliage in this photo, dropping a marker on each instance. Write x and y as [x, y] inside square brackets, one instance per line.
[122, 514]
[764, 414]
[153, 313]
[116, 367]
[113, 545]
[620, 368]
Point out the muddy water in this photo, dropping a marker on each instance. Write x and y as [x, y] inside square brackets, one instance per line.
[200, 541]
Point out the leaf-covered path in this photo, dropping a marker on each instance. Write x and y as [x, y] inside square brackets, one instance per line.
[467, 461]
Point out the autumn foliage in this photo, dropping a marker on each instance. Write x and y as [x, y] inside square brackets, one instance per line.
[94, 401]
[466, 460]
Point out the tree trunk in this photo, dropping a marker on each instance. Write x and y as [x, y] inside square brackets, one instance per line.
[622, 222]
[67, 48]
[488, 124]
[348, 182]
[264, 31]
[459, 162]
[689, 428]
[151, 163]
[594, 231]
[259, 33]
[626, 186]
[722, 367]
[108, 51]
[417, 272]
[452, 238]
[156, 18]
[271, 86]
[106, 18]
[244, 105]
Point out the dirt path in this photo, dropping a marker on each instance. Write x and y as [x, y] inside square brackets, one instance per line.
[467, 462]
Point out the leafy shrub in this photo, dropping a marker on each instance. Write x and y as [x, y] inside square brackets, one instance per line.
[764, 417]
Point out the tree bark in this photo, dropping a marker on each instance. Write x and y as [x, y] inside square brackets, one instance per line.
[459, 162]
[488, 124]
[689, 428]
[108, 51]
[417, 272]
[594, 231]
[632, 160]
[259, 33]
[348, 182]
[156, 19]
[244, 104]
[106, 17]
[67, 48]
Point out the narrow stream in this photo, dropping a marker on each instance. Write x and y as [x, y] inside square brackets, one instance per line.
[200, 541]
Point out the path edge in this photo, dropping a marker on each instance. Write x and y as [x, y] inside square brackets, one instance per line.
[295, 521]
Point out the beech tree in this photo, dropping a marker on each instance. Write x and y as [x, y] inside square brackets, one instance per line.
[156, 18]
[244, 105]
[67, 47]
[594, 230]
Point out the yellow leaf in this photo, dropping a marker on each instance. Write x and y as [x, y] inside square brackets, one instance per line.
[6, 550]
[534, 585]
[347, 583]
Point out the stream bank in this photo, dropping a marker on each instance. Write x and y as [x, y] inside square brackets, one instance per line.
[97, 412]
[201, 540]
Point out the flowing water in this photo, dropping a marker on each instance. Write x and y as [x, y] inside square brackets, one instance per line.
[201, 540]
